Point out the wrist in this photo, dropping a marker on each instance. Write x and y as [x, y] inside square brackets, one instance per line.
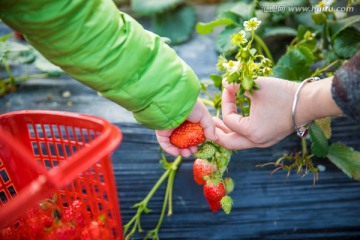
[315, 101]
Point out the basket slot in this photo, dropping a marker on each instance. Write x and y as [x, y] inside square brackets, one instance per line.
[90, 187]
[4, 176]
[7, 188]
[51, 144]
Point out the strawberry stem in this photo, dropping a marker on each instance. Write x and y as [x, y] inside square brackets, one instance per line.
[304, 147]
[207, 102]
[134, 223]
[170, 188]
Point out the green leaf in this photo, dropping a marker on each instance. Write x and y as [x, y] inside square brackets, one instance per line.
[319, 143]
[17, 47]
[305, 19]
[319, 18]
[330, 56]
[223, 44]
[227, 14]
[335, 27]
[26, 57]
[177, 24]
[307, 54]
[244, 10]
[45, 66]
[346, 159]
[206, 28]
[295, 64]
[5, 37]
[347, 43]
[279, 31]
[17, 52]
[300, 35]
[284, 72]
[217, 81]
[150, 7]
[247, 83]
[203, 86]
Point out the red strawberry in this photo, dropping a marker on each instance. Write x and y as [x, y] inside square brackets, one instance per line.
[64, 231]
[187, 134]
[19, 36]
[8, 233]
[46, 221]
[214, 206]
[96, 230]
[202, 168]
[75, 214]
[213, 191]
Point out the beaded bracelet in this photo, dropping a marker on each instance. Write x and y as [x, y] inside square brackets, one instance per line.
[302, 130]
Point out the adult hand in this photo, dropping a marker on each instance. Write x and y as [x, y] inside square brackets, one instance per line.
[270, 115]
[199, 114]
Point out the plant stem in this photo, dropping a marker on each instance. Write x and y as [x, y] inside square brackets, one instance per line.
[325, 35]
[25, 77]
[174, 167]
[11, 78]
[170, 186]
[304, 147]
[292, 43]
[7, 69]
[207, 102]
[263, 45]
[207, 93]
[218, 112]
[156, 186]
[324, 69]
[171, 169]
[165, 203]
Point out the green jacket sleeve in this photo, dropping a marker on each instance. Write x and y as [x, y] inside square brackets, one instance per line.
[107, 50]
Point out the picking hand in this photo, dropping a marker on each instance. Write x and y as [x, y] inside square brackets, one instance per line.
[270, 115]
[199, 114]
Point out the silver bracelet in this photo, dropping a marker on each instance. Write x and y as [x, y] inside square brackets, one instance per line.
[302, 130]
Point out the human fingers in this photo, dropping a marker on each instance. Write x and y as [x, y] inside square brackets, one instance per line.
[233, 141]
[220, 124]
[230, 86]
[185, 152]
[202, 115]
[231, 118]
[163, 137]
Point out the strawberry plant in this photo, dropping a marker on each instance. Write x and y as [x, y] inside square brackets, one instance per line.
[324, 39]
[16, 54]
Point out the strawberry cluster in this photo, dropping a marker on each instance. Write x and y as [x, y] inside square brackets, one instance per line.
[208, 169]
[48, 221]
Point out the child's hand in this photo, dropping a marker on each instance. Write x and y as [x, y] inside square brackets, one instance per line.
[199, 114]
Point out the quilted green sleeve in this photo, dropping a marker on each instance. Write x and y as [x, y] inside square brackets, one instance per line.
[107, 50]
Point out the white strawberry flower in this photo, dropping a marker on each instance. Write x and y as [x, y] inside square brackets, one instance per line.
[252, 24]
[231, 66]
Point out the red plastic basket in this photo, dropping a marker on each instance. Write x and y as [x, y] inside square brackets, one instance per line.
[47, 152]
